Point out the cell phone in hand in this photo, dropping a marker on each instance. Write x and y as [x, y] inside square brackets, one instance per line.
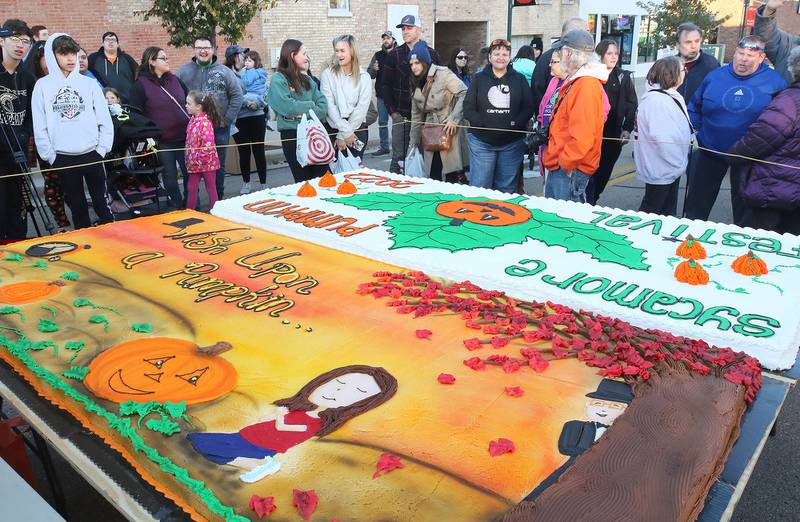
[359, 145]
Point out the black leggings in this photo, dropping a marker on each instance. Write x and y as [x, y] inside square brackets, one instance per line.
[289, 146]
[661, 199]
[251, 130]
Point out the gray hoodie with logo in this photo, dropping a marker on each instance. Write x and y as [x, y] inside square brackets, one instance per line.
[217, 80]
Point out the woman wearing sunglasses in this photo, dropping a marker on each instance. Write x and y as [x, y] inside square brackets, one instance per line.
[498, 106]
[459, 64]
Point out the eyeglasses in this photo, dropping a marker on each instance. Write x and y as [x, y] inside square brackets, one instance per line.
[19, 41]
[752, 46]
[553, 62]
[462, 57]
[500, 42]
[110, 39]
[203, 48]
[162, 58]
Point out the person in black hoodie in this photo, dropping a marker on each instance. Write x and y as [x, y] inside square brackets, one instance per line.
[375, 70]
[697, 63]
[113, 67]
[620, 120]
[499, 98]
[16, 85]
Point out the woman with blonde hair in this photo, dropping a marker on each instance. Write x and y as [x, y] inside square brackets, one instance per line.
[348, 89]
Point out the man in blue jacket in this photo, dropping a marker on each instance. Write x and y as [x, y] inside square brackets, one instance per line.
[727, 102]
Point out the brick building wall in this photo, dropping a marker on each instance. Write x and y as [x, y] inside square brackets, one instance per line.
[788, 20]
[307, 20]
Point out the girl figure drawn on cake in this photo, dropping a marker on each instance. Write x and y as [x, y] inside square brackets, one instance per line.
[321, 407]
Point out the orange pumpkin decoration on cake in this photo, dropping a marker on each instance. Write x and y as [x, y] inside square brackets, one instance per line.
[161, 369]
[307, 191]
[484, 212]
[29, 291]
[691, 249]
[750, 264]
[691, 272]
[327, 180]
[346, 188]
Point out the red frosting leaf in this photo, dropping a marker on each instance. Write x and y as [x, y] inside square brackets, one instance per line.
[305, 502]
[501, 446]
[539, 365]
[263, 506]
[446, 378]
[475, 363]
[472, 344]
[514, 391]
[388, 463]
[424, 334]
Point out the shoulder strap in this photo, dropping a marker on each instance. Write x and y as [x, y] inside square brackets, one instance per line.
[688, 120]
[428, 88]
[561, 100]
[183, 110]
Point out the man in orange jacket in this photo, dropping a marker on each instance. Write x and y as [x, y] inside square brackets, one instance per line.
[576, 127]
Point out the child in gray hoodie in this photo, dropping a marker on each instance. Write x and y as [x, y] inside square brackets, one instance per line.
[72, 128]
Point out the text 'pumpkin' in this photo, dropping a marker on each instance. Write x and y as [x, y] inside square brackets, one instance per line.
[159, 369]
[484, 212]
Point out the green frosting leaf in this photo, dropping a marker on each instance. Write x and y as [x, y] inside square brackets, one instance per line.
[176, 410]
[142, 327]
[418, 225]
[42, 345]
[40, 264]
[99, 319]
[47, 326]
[8, 310]
[75, 346]
[50, 309]
[165, 426]
[76, 372]
[82, 301]
[13, 257]
[69, 276]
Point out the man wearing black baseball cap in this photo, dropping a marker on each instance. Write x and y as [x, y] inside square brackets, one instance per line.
[397, 87]
[375, 70]
[16, 83]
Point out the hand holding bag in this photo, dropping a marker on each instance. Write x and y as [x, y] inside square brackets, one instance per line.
[314, 147]
[434, 138]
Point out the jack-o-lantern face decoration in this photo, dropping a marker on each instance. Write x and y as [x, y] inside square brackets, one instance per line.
[484, 212]
[159, 369]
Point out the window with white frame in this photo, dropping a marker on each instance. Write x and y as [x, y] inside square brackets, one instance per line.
[339, 8]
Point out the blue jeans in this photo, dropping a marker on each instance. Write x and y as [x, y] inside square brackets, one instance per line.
[222, 136]
[383, 123]
[171, 160]
[494, 166]
[569, 188]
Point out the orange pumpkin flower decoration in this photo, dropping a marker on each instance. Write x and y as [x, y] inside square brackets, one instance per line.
[483, 212]
[691, 249]
[691, 272]
[161, 369]
[749, 264]
[307, 191]
[29, 291]
[327, 180]
[346, 188]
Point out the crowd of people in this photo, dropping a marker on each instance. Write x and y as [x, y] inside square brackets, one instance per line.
[572, 106]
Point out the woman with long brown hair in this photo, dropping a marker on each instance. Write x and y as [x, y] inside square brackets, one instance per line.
[292, 94]
[161, 97]
[319, 408]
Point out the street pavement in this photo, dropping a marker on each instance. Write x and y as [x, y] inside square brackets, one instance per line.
[773, 491]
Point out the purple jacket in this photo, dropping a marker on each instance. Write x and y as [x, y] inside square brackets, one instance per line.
[774, 136]
[147, 94]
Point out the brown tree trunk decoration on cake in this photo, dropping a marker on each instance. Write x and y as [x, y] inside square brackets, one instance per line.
[660, 458]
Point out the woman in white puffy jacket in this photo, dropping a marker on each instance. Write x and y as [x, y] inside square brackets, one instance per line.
[348, 89]
[662, 137]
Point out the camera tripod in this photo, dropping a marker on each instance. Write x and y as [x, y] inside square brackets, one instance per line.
[30, 198]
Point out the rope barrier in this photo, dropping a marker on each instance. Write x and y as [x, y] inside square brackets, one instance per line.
[155, 150]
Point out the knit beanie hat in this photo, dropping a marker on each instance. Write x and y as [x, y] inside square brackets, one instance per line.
[420, 52]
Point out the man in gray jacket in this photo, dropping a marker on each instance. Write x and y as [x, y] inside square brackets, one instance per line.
[205, 74]
[779, 42]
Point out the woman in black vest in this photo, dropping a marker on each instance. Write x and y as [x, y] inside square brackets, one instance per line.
[621, 118]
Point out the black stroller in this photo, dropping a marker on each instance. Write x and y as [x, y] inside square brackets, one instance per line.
[134, 180]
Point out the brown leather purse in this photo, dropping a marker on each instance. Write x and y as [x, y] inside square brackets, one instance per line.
[434, 138]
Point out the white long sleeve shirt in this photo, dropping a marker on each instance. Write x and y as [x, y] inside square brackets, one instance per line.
[348, 101]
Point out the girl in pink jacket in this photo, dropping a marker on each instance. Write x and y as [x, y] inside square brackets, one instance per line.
[201, 156]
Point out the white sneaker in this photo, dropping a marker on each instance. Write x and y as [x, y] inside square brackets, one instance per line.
[245, 188]
[269, 467]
